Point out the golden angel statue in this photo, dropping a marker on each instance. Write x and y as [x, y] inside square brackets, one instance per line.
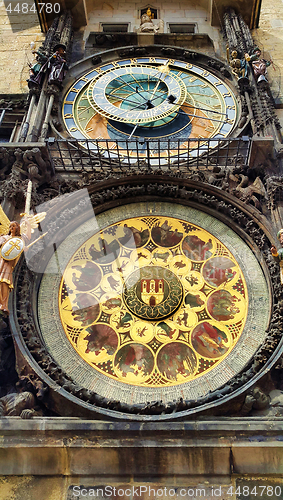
[13, 241]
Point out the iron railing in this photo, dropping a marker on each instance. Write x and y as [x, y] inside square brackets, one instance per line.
[124, 156]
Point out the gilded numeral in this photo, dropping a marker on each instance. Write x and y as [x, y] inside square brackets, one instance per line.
[171, 61]
[85, 79]
[189, 66]
[227, 94]
[231, 107]
[152, 60]
[217, 83]
[68, 115]
[73, 129]
[229, 121]
[133, 61]
[73, 89]
[205, 73]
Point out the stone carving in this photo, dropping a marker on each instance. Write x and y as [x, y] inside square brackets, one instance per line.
[13, 188]
[219, 67]
[31, 383]
[237, 33]
[247, 192]
[25, 403]
[21, 162]
[5, 162]
[133, 51]
[96, 60]
[274, 186]
[17, 404]
[147, 25]
[256, 399]
[39, 170]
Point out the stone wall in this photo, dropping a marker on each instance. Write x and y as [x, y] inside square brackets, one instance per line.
[17, 31]
[168, 12]
[64, 459]
[269, 37]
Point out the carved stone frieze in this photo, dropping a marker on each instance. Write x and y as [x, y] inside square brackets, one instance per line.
[22, 163]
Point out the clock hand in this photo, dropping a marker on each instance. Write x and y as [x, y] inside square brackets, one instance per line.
[155, 88]
[206, 109]
[204, 117]
[128, 84]
[162, 69]
[133, 131]
[124, 99]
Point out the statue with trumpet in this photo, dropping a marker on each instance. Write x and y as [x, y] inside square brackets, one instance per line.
[13, 241]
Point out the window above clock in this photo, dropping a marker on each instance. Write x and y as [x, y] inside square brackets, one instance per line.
[190, 28]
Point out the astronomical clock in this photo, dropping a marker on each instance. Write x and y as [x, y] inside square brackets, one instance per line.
[145, 102]
[153, 299]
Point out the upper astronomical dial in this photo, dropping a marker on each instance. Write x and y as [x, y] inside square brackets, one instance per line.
[137, 94]
[165, 103]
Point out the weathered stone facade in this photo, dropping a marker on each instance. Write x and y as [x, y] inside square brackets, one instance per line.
[228, 437]
[17, 31]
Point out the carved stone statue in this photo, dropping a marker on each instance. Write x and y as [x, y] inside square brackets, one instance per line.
[278, 254]
[15, 404]
[147, 26]
[256, 399]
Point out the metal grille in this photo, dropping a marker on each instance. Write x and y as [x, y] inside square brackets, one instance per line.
[154, 154]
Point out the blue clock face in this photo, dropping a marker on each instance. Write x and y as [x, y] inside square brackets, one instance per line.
[137, 101]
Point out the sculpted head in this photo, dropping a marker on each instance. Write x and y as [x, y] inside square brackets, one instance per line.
[14, 228]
